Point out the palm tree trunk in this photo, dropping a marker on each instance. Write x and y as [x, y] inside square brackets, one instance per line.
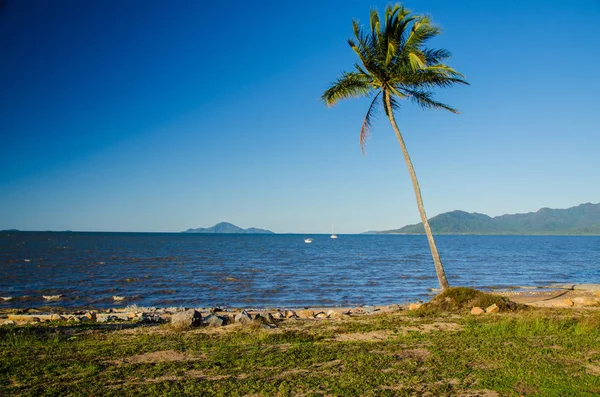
[439, 269]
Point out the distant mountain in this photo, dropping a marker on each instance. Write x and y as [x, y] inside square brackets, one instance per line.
[226, 227]
[581, 220]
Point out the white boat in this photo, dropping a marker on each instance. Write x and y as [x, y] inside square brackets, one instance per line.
[332, 233]
[308, 240]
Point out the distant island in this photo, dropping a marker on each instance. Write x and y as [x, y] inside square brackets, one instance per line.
[226, 227]
[583, 219]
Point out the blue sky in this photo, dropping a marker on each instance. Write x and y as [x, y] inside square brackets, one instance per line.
[161, 116]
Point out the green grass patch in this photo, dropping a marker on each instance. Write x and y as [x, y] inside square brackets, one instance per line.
[536, 352]
[462, 300]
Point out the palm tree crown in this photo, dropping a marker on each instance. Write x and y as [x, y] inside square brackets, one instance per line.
[394, 61]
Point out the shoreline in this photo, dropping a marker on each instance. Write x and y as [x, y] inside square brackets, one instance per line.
[564, 296]
[521, 292]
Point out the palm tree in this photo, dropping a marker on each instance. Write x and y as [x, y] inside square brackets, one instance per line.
[394, 64]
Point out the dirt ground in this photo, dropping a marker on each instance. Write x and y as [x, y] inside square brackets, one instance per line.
[563, 295]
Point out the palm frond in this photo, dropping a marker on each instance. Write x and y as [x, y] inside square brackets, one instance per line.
[430, 77]
[444, 70]
[422, 30]
[416, 60]
[433, 57]
[425, 100]
[374, 21]
[365, 130]
[365, 48]
[349, 85]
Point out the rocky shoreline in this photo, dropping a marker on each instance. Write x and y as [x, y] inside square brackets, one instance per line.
[554, 296]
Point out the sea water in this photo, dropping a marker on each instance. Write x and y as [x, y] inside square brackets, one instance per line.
[257, 271]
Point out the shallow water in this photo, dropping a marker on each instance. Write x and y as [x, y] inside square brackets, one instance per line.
[197, 270]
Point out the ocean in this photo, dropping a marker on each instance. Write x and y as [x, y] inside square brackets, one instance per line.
[274, 271]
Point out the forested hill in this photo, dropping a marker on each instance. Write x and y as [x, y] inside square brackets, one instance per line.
[226, 227]
[583, 219]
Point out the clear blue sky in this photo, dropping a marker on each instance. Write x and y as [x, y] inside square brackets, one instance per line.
[161, 116]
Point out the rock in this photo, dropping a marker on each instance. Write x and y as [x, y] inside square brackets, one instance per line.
[117, 298]
[260, 319]
[290, 314]
[278, 315]
[104, 319]
[242, 317]
[230, 317]
[9, 322]
[334, 314]
[213, 320]
[321, 315]
[264, 318]
[369, 309]
[56, 317]
[149, 318]
[492, 309]
[414, 306]
[186, 319]
[395, 307]
[6, 298]
[476, 311]
[305, 314]
[585, 301]
[52, 297]
[90, 316]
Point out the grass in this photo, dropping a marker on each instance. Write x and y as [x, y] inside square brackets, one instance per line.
[462, 299]
[534, 352]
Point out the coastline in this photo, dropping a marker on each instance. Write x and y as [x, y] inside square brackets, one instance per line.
[563, 296]
[428, 350]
